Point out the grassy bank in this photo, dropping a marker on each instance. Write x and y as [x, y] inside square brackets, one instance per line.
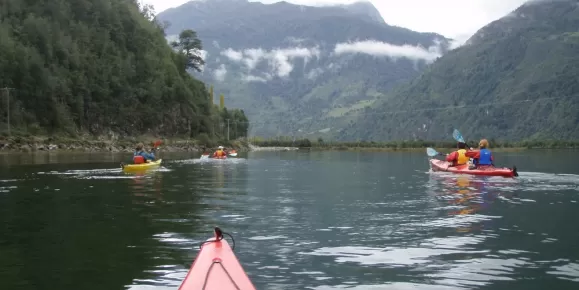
[410, 145]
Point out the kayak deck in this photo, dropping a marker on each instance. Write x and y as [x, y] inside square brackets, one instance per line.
[216, 267]
[142, 166]
[439, 165]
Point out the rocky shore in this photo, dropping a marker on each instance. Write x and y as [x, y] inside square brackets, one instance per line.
[17, 144]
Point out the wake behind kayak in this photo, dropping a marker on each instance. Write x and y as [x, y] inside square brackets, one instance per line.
[216, 267]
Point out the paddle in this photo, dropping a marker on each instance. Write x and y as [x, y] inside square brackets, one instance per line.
[431, 152]
[156, 145]
[457, 136]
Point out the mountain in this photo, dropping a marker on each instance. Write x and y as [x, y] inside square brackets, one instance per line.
[293, 68]
[97, 67]
[515, 79]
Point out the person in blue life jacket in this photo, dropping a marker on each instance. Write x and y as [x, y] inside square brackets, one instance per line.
[483, 156]
[141, 156]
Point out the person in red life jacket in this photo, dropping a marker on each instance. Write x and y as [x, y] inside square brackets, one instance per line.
[458, 157]
[483, 156]
[141, 156]
[219, 153]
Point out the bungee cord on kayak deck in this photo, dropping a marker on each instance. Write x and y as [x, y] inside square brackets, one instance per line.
[218, 237]
[228, 274]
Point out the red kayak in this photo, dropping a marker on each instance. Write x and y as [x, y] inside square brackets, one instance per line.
[439, 165]
[216, 267]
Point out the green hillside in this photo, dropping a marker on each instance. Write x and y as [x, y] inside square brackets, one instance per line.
[516, 78]
[98, 67]
[250, 43]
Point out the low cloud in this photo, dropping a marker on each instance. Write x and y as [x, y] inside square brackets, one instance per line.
[279, 61]
[314, 73]
[459, 41]
[252, 78]
[220, 73]
[384, 49]
[232, 54]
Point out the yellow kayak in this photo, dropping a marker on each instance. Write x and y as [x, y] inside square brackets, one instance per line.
[141, 167]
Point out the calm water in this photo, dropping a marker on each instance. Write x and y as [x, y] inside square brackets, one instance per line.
[320, 220]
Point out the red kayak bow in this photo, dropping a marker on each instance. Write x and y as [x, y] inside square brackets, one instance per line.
[216, 267]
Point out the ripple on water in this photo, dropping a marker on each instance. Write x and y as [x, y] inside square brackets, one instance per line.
[568, 271]
[389, 286]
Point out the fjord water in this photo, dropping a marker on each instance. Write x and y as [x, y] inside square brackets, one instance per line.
[301, 220]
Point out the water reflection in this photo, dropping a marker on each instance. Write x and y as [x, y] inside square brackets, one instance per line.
[301, 221]
[196, 196]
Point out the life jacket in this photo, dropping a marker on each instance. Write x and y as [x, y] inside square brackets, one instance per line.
[138, 159]
[485, 157]
[462, 158]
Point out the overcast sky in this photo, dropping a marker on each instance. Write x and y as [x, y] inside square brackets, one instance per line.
[451, 18]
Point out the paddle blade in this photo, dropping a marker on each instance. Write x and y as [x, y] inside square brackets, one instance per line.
[157, 143]
[204, 156]
[457, 136]
[431, 152]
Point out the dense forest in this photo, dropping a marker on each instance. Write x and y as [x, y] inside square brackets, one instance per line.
[102, 67]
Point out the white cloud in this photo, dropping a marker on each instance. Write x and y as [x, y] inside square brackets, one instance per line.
[203, 54]
[314, 73]
[232, 54]
[252, 78]
[220, 73]
[253, 56]
[378, 48]
[279, 60]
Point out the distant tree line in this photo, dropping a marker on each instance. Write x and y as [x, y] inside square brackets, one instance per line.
[320, 143]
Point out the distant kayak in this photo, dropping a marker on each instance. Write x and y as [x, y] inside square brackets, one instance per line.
[216, 267]
[141, 167]
[439, 165]
[209, 157]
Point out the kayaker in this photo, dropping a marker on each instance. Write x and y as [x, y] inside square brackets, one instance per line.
[141, 156]
[458, 157]
[219, 153]
[482, 156]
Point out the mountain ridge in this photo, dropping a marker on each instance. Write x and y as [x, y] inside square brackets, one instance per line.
[303, 64]
[514, 79]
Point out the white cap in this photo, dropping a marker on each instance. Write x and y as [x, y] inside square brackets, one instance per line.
[220, 147]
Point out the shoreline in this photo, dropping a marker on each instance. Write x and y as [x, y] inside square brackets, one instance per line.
[48, 144]
[126, 145]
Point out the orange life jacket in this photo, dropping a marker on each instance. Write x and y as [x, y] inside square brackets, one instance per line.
[462, 158]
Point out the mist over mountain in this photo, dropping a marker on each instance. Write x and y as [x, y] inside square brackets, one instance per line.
[296, 68]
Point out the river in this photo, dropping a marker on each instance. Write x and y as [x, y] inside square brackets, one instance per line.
[301, 220]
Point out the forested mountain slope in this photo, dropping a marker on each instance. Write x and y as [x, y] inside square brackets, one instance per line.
[517, 78]
[293, 68]
[96, 66]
